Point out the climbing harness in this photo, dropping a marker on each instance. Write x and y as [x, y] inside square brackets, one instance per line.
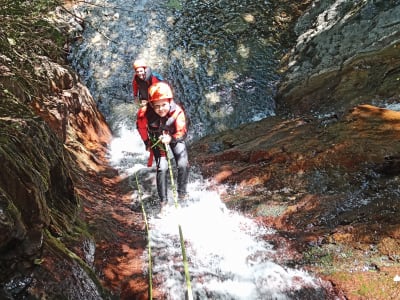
[148, 239]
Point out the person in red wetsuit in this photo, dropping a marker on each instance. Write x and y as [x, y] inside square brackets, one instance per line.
[162, 126]
[143, 78]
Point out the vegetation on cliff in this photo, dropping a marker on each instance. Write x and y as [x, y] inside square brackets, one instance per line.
[41, 156]
[26, 37]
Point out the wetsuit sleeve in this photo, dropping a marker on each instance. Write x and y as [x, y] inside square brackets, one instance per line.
[180, 127]
[141, 125]
[134, 86]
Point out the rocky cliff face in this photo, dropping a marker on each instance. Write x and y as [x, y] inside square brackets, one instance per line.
[325, 171]
[347, 53]
[49, 141]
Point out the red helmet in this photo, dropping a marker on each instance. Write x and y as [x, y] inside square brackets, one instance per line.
[139, 63]
[160, 90]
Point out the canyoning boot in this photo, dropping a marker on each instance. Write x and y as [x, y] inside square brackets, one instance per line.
[183, 199]
[163, 208]
[135, 206]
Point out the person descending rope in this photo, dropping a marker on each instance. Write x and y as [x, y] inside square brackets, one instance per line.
[162, 126]
[143, 78]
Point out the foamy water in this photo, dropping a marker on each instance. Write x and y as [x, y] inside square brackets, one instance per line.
[228, 256]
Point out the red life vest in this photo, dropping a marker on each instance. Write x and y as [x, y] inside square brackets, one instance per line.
[151, 125]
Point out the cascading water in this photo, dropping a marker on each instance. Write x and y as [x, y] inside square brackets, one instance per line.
[220, 76]
[218, 56]
[227, 252]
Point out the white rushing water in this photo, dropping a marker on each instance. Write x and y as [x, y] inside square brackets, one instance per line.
[227, 253]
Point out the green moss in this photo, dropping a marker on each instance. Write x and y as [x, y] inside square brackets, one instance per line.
[175, 4]
[60, 249]
[268, 210]
[319, 257]
[364, 290]
[26, 33]
[80, 229]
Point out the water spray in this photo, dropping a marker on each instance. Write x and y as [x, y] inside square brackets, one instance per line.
[189, 293]
[148, 239]
[185, 262]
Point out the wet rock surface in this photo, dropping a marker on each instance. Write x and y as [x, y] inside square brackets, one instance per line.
[56, 184]
[40, 207]
[329, 184]
[326, 186]
[346, 54]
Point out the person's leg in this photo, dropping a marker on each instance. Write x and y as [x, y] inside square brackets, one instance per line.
[162, 175]
[182, 162]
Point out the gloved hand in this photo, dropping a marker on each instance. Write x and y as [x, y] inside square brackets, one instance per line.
[147, 144]
[165, 138]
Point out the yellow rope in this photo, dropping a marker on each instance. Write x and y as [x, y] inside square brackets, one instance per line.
[182, 241]
[185, 262]
[148, 239]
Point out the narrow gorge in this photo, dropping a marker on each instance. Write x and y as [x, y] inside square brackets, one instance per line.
[295, 127]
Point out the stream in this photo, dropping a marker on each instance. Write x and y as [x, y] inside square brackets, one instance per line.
[219, 57]
[228, 255]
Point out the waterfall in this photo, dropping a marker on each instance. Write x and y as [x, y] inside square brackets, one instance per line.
[220, 61]
[229, 255]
